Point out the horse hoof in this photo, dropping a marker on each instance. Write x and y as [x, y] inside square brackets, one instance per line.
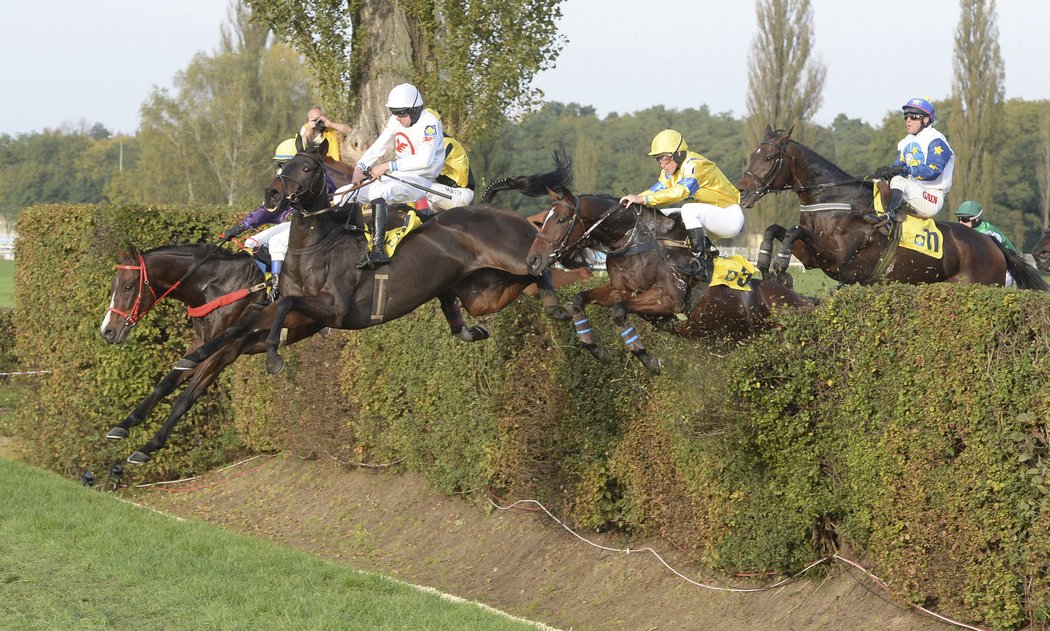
[138, 458]
[478, 333]
[652, 363]
[325, 332]
[274, 364]
[600, 353]
[559, 313]
[185, 364]
[117, 433]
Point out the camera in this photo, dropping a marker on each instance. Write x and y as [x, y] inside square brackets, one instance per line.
[319, 126]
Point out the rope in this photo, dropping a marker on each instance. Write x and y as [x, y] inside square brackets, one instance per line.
[833, 557]
[25, 372]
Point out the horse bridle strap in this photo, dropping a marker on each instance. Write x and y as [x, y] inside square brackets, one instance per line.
[135, 315]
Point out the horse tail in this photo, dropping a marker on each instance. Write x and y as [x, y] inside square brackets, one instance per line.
[1026, 276]
[535, 185]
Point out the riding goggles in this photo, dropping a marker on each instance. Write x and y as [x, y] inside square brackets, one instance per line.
[403, 111]
[912, 116]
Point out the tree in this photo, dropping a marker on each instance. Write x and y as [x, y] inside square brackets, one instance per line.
[1043, 168]
[212, 139]
[977, 99]
[784, 86]
[473, 60]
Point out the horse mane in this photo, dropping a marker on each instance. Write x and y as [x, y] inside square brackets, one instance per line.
[815, 158]
[193, 249]
[535, 185]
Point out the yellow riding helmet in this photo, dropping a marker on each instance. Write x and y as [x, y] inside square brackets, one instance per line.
[285, 151]
[668, 141]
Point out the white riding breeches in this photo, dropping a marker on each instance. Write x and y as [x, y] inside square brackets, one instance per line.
[386, 188]
[717, 222]
[276, 237]
[927, 202]
[460, 197]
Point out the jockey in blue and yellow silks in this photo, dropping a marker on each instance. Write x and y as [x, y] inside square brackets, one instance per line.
[922, 173]
[712, 202]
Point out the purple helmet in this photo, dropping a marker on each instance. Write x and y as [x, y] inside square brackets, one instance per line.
[919, 105]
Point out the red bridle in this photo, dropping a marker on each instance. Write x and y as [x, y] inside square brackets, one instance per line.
[135, 315]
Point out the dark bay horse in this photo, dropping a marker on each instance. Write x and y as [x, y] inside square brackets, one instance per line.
[832, 234]
[644, 251]
[1041, 251]
[217, 287]
[476, 253]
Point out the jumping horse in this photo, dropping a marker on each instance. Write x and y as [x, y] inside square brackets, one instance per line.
[833, 235]
[644, 252]
[475, 253]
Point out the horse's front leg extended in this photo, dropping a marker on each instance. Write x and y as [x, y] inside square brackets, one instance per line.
[201, 378]
[765, 251]
[274, 361]
[237, 329]
[166, 386]
[631, 339]
[584, 330]
[780, 265]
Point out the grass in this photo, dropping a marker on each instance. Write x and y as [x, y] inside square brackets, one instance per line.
[83, 559]
[7, 283]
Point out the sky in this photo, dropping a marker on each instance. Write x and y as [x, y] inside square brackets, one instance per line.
[98, 61]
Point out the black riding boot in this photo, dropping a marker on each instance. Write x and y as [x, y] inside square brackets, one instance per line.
[892, 213]
[377, 255]
[698, 244]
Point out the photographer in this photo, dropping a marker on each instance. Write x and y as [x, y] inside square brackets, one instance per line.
[318, 127]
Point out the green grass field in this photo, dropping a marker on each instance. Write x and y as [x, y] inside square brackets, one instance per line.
[83, 559]
[7, 283]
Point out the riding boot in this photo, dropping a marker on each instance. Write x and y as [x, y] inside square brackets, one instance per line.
[377, 255]
[892, 213]
[698, 244]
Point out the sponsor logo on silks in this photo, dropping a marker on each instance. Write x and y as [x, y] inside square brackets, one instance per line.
[403, 144]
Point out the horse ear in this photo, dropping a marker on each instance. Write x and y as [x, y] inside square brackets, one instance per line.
[790, 129]
[769, 131]
[298, 143]
[126, 252]
[554, 195]
[322, 149]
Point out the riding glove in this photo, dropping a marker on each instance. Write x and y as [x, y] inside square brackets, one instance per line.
[887, 172]
[232, 231]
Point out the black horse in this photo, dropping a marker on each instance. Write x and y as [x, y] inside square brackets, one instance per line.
[832, 234]
[475, 253]
[644, 253]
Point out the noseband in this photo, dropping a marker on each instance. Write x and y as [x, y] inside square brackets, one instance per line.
[778, 163]
[135, 314]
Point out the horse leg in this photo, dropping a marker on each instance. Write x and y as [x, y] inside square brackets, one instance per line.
[632, 340]
[454, 317]
[318, 308]
[584, 330]
[549, 299]
[238, 329]
[783, 259]
[765, 251]
[202, 378]
[166, 386]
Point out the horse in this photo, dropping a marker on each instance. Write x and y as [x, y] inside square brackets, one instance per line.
[644, 252]
[476, 253]
[1041, 251]
[833, 235]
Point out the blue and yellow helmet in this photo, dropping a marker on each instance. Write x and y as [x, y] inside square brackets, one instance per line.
[919, 105]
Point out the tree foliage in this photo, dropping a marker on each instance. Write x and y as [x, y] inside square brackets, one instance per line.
[211, 140]
[473, 61]
[977, 98]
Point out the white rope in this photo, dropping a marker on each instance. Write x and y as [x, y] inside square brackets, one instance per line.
[25, 372]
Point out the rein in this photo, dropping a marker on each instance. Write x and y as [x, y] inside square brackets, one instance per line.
[135, 314]
[574, 206]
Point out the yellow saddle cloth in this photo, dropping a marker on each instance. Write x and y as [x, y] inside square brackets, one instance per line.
[921, 235]
[734, 272]
[395, 235]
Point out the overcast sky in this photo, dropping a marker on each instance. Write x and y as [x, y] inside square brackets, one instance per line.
[68, 61]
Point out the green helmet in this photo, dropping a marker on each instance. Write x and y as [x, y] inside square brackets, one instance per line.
[969, 208]
[285, 151]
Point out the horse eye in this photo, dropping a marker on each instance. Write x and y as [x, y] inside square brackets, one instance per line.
[769, 158]
[562, 219]
[127, 287]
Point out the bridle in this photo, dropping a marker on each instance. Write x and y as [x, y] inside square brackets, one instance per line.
[295, 199]
[562, 246]
[778, 163]
[136, 313]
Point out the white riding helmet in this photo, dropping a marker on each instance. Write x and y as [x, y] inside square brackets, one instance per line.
[404, 96]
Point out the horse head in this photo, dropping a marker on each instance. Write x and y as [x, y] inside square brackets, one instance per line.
[1041, 251]
[560, 234]
[300, 181]
[131, 297]
[765, 172]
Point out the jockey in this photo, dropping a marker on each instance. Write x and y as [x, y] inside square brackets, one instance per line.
[456, 178]
[922, 173]
[969, 213]
[712, 201]
[276, 237]
[415, 134]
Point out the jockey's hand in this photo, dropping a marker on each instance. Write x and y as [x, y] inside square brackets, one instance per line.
[378, 170]
[358, 176]
[232, 231]
[627, 200]
[887, 172]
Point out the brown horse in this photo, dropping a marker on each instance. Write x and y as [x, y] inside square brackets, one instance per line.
[832, 234]
[476, 253]
[1041, 251]
[644, 252]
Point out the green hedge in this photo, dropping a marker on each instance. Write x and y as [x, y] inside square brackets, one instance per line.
[905, 426]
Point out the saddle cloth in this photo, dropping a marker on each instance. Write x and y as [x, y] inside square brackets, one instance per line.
[395, 235]
[920, 235]
[734, 272]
